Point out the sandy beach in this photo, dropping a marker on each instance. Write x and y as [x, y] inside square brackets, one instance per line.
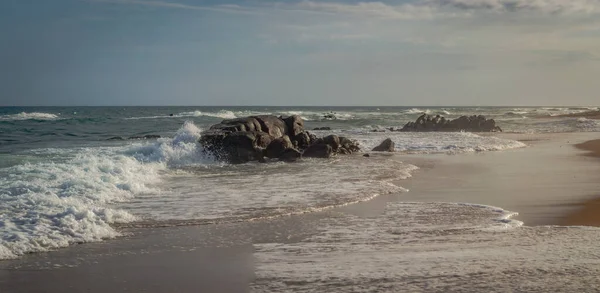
[592, 146]
[587, 213]
[545, 183]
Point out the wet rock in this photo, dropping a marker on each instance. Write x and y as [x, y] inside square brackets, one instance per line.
[319, 150]
[322, 128]
[253, 138]
[278, 146]
[290, 155]
[475, 123]
[386, 146]
[333, 141]
[295, 125]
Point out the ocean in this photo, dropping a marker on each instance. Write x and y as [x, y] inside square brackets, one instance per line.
[72, 175]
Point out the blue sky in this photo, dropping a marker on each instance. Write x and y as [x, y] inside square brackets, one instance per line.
[411, 52]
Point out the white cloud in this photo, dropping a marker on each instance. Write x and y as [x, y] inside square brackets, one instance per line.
[157, 3]
[544, 6]
[377, 9]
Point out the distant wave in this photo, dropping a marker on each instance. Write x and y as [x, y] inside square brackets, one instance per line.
[427, 111]
[223, 114]
[29, 116]
[417, 111]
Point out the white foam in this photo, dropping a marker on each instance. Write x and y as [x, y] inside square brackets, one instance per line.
[434, 247]
[417, 111]
[50, 205]
[29, 116]
[257, 190]
[181, 150]
[305, 115]
[222, 114]
[225, 114]
[432, 142]
[74, 197]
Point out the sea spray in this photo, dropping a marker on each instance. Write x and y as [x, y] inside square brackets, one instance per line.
[181, 150]
[67, 198]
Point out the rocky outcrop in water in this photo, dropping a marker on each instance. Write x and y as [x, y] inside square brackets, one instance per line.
[475, 123]
[386, 146]
[257, 138]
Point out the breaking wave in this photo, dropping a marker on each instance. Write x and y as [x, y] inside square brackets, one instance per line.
[29, 116]
[68, 197]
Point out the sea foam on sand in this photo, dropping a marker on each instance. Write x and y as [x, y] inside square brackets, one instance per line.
[432, 247]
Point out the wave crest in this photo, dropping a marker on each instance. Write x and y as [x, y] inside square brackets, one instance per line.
[65, 199]
[29, 116]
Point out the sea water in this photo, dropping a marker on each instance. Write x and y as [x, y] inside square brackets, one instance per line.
[71, 175]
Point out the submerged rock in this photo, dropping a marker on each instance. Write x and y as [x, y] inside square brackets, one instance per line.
[255, 138]
[475, 123]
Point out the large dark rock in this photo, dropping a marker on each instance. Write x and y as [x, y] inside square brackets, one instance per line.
[295, 125]
[278, 146]
[464, 123]
[272, 125]
[331, 145]
[303, 140]
[333, 141]
[290, 155]
[256, 137]
[386, 146]
[319, 150]
[348, 145]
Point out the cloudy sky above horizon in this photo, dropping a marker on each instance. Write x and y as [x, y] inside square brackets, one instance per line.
[402, 52]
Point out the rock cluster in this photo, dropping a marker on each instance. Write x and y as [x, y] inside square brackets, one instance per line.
[257, 138]
[475, 123]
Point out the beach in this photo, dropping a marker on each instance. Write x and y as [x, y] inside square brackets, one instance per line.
[587, 213]
[546, 183]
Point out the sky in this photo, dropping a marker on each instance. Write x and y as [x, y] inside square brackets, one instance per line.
[303, 53]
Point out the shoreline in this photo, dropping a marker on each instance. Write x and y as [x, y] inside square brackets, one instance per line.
[588, 213]
[591, 146]
[220, 258]
[543, 182]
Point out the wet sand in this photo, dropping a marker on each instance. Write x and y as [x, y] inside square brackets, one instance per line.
[543, 182]
[592, 146]
[588, 213]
